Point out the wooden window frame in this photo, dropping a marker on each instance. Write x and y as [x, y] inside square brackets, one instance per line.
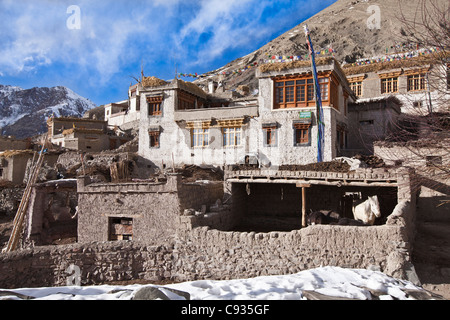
[389, 85]
[341, 137]
[154, 139]
[356, 87]
[154, 106]
[302, 134]
[416, 82]
[448, 76]
[232, 136]
[200, 137]
[298, 92]
[270, 136]
[186, 101]
[120, 229]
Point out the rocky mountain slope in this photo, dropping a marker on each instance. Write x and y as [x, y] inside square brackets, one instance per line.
[23, 112]
[347, 26]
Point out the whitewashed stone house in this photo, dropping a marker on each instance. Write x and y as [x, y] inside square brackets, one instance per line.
[180, 123]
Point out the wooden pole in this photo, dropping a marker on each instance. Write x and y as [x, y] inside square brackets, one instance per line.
[303, 186]
[303, 208]
[21, 211]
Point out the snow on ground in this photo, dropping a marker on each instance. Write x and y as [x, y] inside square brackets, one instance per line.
[331, 281]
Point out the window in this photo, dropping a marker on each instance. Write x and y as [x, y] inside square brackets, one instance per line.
[301, 134]
[231, 137]
[341, 136]
[356, 88]
[154, 139]
[389, 85]
[448, 75]
[270, 135]
[154, 109]
[200, 138]
[416, 82]
[186, 101]
[120, 229]
[323, 83]
[433, 161]
[298, 93]
[154, 106]
[366, 122]
[341, 139]
[417, 104]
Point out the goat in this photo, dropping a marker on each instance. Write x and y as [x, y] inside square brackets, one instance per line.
[367, 211]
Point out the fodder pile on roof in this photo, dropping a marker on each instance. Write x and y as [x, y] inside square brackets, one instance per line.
[280, 66]
[350, 69]
[153, 82]
[12, 153]
[82, 130]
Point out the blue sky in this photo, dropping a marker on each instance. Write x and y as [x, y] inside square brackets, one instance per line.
[97, 50]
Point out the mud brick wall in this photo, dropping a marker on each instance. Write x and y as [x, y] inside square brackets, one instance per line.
[98, 263]
[153, 208]
[194, 195]
[192, 253]
[203, 253]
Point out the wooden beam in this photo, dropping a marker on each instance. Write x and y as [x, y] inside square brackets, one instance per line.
[303, 186]
[303, 207]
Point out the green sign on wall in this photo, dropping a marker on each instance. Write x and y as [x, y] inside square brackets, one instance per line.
[305, 115]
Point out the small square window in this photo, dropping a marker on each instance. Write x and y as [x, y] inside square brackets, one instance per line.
[417, 104]
[120, 229]
[366, 122]
[270, 136]
[302, 134]
[433, 161]
[154, 139]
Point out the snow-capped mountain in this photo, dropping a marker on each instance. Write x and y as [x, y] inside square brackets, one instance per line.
[23, 112]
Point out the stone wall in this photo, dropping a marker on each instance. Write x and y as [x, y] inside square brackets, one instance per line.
[203, 253]
[191, 251]
[10, 198]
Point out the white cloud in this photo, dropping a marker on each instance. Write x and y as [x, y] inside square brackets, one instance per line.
[117, 35]
[37, 35]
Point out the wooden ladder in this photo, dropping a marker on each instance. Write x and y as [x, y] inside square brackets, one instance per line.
[21, 211]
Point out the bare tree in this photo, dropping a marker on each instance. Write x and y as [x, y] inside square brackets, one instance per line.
[422, 140]
[429, 27]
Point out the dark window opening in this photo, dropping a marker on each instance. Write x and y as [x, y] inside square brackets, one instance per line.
[433, 161]
[154, 139]
[120, 229]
